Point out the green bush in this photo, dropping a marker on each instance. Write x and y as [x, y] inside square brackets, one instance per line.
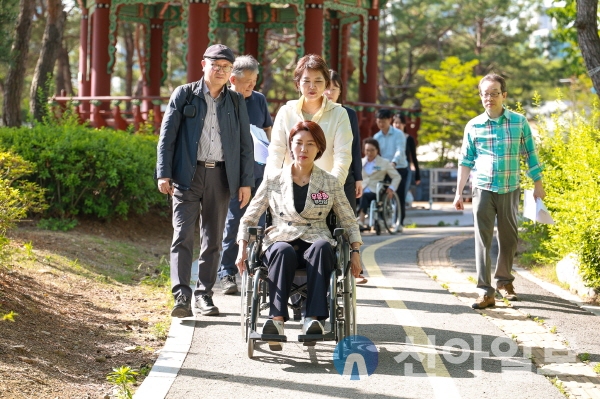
[570, 153]
[101, 172]
[17, 196]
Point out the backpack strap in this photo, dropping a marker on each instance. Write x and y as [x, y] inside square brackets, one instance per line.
[236, 101]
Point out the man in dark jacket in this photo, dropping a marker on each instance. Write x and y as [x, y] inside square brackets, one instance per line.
[205, 156]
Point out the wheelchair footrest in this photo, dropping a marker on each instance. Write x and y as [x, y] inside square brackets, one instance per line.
[267, 337]
[329, 336]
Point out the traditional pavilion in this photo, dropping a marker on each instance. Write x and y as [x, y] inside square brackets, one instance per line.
[323, 27]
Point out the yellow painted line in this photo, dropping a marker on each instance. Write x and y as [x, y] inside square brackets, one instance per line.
[440, 378]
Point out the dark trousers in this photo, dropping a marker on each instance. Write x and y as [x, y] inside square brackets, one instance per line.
[283, 258]
[208, 198]
[365, 201]
[350, 191]
[232, 224]
[401, 191]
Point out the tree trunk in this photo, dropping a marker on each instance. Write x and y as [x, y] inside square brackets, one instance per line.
[51, 44]
[129, 53]
[479, 27]
[63, 73]
[589, 41]
[13, 84]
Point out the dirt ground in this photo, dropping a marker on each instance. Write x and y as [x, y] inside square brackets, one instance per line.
[83, 306]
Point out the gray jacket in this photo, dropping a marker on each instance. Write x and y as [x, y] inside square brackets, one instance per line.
[177, 147]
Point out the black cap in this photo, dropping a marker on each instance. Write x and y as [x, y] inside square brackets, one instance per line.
[219, 52]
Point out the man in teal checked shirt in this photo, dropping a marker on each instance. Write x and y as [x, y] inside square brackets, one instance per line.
[492, 145]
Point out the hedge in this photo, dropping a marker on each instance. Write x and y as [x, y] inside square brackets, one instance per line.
[570, 152]
[99, 172]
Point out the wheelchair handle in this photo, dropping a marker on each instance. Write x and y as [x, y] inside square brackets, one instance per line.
[338, 232]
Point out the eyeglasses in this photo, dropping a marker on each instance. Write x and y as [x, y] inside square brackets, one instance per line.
[490, 95]
[224, 68]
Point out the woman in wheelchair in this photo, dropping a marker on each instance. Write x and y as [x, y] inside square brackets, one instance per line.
[300, 197]
[375, 169]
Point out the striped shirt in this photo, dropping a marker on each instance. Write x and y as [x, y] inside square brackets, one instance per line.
[210, 147]
[492, 149]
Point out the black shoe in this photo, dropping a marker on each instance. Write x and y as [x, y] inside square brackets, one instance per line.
[205, 305]
[182, 307]
[228, 285]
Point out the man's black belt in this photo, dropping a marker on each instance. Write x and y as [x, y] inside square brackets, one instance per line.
[212, 164]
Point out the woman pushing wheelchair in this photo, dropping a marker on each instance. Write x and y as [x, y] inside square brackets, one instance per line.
[300, 196]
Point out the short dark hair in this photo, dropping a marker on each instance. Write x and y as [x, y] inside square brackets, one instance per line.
[373, 142]
[337, 79]
[492, 77]
[314, 62]
[316, 132]
[384, 114]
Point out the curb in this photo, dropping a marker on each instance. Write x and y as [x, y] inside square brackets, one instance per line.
[558, 291]
[166, 368]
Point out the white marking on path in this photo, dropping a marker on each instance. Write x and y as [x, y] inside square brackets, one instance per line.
[438, 376]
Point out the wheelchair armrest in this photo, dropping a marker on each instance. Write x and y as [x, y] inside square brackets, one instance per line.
[338, 232]
[256, 230]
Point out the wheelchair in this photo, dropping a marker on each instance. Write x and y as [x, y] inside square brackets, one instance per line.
[255, 295]
[384, 211]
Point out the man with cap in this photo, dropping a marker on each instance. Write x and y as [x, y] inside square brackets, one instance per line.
[204, 157]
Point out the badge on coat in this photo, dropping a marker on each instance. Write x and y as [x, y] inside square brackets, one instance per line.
[320, 198]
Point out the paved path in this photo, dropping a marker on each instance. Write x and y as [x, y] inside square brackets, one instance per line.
[416, 310]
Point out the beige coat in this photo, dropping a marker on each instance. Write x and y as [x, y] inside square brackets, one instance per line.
[382, 168]
[277, 193]
[332, 118]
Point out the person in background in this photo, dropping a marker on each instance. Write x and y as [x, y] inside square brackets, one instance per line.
[375, 169]
[243, 79]
[392, 143]
[204, 157]
[411, 152]
[353, 186]
[492, 147]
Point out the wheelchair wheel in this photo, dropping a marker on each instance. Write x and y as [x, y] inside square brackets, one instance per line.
[342, 286]
[390, 213]
[246, 304]
[251, 343]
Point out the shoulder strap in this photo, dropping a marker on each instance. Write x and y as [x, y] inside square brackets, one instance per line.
[189, 93]
[236, 100]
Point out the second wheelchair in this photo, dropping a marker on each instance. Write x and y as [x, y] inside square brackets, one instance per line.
[384, 211]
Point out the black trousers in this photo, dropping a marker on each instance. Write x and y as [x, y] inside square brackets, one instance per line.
[283, 258]
[365, 201]
[401, 191]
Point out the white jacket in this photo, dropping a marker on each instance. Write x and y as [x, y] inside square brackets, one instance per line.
[332, 118]
[382, 168]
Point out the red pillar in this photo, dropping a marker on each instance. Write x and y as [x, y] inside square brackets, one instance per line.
[368, 89]
[82, 77]
[152, 85]
[344, 64]
[334, 45]
[100, 76]
[251, 38]
[197, 38]
[313, 27]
